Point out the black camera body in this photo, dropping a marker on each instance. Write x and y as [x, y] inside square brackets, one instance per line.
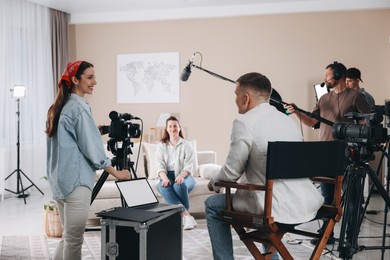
[371, 133]
[121, 128]
[120, 131]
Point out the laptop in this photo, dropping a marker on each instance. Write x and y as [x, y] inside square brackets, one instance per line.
[138, 194]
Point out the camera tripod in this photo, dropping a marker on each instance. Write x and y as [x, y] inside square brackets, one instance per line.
[353, 200]
[19, 183]
[120, 161]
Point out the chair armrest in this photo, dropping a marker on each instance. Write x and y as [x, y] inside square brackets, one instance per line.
[323, 179]
[243, 186]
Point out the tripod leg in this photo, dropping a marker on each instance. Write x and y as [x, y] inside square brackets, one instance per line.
[384, 194]
[32, 182]
[98, 185]
[348, 180]
[352, 209]
[133, 171]
[11, 174]
[21, 185]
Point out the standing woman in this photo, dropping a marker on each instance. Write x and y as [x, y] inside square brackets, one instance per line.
[175, 159]
[74, 151]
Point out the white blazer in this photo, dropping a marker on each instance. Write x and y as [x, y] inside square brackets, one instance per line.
[294, 200]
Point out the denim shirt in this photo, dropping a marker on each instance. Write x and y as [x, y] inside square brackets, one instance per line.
[76, 151]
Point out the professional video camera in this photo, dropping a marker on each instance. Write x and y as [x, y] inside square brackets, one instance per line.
[371, 133]
[365, 138]
[121, 127]
[120, 131]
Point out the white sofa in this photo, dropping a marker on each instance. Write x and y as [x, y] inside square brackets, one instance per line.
[205, 166]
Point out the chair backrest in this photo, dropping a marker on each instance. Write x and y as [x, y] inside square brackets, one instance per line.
[287, 160]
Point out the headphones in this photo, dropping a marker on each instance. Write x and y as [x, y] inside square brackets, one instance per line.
[338, 70]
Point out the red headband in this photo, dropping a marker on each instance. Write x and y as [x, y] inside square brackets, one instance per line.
[69, 73]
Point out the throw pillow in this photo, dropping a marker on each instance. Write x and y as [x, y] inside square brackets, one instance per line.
[150, 156]
[196, 165]
[139, 167]
[209, 170]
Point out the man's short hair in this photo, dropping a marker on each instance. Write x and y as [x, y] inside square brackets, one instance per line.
[256, 81]
[339, 70]
[354, 73]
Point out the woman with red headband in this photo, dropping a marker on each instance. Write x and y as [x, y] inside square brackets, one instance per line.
[74, 152]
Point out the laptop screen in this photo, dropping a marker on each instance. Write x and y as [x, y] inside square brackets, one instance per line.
[137, 192]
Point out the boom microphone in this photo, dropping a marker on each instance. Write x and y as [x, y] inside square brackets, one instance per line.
[187, 69]
[186, 72]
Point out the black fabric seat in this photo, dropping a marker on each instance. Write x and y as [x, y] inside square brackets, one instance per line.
[321, 161]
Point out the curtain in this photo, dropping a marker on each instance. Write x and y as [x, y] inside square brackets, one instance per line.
[25, 58]
[59, 43]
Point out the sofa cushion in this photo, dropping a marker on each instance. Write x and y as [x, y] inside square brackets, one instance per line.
[209, 170]
[196, 165]
[150, 156]
[139, 161]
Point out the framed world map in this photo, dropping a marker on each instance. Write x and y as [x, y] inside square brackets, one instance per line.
[148, 78]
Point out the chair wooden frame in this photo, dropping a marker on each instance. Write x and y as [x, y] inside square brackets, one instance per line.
[321, 161]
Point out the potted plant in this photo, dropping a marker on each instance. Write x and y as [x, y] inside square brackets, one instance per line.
[51, 218]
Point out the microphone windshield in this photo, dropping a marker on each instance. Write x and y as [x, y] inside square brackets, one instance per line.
[186, 72]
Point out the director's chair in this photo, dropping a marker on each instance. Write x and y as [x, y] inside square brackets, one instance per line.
[320, 161]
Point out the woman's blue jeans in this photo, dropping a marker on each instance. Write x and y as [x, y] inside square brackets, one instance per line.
[175, 193]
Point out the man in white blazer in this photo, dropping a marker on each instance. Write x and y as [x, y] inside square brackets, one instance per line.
[295, 200]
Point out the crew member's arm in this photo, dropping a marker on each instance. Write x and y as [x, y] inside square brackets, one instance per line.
[307, 120]
[120, 175]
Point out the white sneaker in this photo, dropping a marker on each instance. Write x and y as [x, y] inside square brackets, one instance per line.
[188, 222]
[194, 221]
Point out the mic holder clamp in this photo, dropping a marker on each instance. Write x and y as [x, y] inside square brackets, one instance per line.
[321, 119]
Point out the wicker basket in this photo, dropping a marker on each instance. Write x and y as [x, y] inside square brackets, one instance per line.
[52, 223]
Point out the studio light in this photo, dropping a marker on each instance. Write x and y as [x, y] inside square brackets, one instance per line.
[19, 91]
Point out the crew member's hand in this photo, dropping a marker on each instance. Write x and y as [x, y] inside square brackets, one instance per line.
[290, 108]
[100, 127]
[123, 175]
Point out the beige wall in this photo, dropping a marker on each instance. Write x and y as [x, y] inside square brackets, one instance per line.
[292, 50]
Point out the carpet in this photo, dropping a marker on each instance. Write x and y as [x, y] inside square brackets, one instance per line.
[196, 245]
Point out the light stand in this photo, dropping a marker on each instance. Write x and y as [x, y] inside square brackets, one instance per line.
[17, 93]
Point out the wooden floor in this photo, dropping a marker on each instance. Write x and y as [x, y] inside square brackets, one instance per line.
[17, 218]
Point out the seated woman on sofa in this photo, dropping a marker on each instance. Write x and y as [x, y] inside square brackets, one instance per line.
[174, 162]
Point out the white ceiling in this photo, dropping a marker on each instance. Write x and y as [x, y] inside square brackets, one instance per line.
[105, 11]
